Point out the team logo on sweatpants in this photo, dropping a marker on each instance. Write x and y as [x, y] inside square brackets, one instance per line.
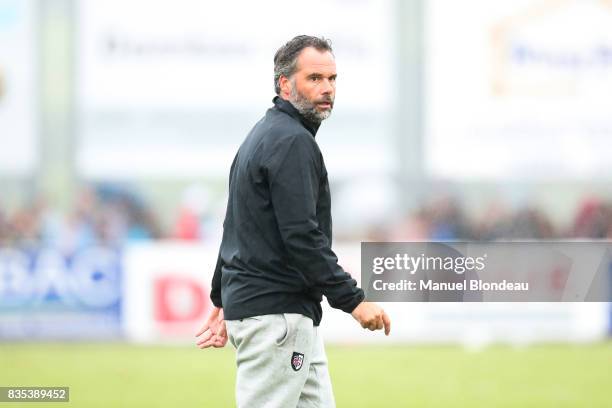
[297, 359]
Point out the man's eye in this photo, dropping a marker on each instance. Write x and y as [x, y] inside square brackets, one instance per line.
[315, 78]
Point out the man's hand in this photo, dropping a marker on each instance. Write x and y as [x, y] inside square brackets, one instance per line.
[213, 332]
[371, 316]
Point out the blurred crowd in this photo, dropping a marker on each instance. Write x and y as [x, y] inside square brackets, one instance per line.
[103, 215]
[112, 216]
[445, 219]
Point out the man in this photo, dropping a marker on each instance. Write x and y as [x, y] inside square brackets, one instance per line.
[275, 261]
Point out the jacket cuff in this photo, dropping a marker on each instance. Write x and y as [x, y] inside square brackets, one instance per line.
[359, 297]
[216, 300]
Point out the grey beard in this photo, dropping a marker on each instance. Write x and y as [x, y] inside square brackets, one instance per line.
[306, 108]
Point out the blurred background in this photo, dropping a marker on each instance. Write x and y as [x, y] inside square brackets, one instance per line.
[454, 120]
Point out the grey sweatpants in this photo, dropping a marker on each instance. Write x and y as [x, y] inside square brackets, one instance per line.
[281, 362]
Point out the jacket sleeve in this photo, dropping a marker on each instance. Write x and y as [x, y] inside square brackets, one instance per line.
[294, 180]
[215, 291]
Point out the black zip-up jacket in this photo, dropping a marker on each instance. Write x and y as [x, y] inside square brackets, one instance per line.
[276, 256]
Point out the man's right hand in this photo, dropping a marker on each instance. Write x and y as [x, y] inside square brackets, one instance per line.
[213, 331]
[371, 316]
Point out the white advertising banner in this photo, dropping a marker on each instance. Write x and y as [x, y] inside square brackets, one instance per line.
[181, 82]
[18, 109]
[518, 90]
[167, 288]
[193, 53]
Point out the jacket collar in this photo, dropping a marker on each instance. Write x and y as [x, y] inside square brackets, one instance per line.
[287, 107]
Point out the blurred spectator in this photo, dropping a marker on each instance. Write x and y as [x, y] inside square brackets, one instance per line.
[530, 223]
[526, 223]
[4, 226]
[23, 225]
[123, 216]
[493, 222]
[446, 220]
[414, 227]
[78, 230]
[194, 214]
[593, 220]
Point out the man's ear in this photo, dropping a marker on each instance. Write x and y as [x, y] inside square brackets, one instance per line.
[285, 86]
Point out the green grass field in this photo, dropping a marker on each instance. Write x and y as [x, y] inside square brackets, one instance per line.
[119, 375]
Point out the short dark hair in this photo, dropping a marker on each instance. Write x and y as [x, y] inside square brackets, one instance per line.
[285, 59]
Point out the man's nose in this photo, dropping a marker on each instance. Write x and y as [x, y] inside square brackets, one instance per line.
[327, 87]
